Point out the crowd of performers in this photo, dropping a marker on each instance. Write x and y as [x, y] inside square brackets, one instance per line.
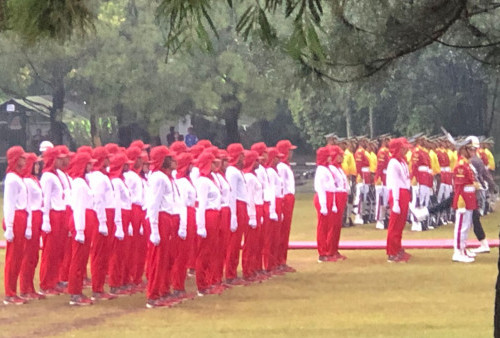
[421, 181]
[132, 212]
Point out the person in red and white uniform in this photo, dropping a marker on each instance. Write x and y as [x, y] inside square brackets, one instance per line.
[32, 247]
[398, 184]
[252, 252]
[363, 180]
[138, 245]
[102, 237]
[445, 185]
[15, 213]
[184, 241]
[84, 220]
[261, 173]
[271, 241]
[225, 216]
[123, 207]
[339, 199]
[286, 148]
[464, 200]
[324, 187]
[238, 199]
[160, 212]
[207, 219]
[381, 192]
[54, 229]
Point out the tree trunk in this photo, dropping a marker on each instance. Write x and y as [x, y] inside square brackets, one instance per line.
[348, 125]
[488, 128]
[94, 134]
[370, 115]
[58, 94]
[231, 120]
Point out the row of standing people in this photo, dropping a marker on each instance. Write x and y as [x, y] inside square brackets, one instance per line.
[138, 211]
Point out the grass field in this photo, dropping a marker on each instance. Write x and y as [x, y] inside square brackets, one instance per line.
[361, 297]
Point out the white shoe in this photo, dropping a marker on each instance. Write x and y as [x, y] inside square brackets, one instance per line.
[459, 257]
[481, 249]
[358, 219]
[380, 225]
[416, 226]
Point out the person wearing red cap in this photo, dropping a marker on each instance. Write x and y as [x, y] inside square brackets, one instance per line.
[207, 219]
[112, 148]
[32, 246]
[54, 230]
[252, 252]
[225, 217]
[84, 220]
[159, 212]
[324, 186]
[286, 148]
[271, 239]
[139, 144]
[178, 147]
[138, 245]
[398, 184]
[123, 206]
[196, 151]
[102, 235]
[239, 216]
[261, 174]
[339, 199]
[184, 238]
[15, 212]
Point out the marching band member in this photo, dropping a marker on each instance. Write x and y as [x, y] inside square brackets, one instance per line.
[15, 211]
[383, 157]
[364, 179]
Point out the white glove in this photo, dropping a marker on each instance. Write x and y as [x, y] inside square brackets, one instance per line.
[323, 211]
[334, 209]
[273, 216]
[141, 230]
[9, 234]
[28, 233]
[80, 237]
[130, 230]
[395, 208]
[103, 229]
[234, 224]
[202, 232]
[253, 223]
[46, 227]
[182, 233]
[119, 232]
[155, 238]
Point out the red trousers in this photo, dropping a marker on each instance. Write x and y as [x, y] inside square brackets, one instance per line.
[397, 222]
[224, 233]
[118, 254]
[191, 238]
[67, 239]
[251, 251]
[234, 245]
[52, 252]
[264, 231]
[138, 246]
[340, 202]
[30, 256]
[80, 255]
[271, 237]
[14, 253]
[127, 248]
[157, 269]
[324, 229]
[100, 252]
[288, 204]
[180, 250]
[205, 259]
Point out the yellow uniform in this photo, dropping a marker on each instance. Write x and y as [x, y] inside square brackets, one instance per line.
[349, 165]
[491, 159]
[453, 158]
[436, 168]
[372, 157]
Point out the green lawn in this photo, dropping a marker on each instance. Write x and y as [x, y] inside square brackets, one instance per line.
[361, 297]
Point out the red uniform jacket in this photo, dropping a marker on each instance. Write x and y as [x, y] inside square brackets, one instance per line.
[383, 157]
[363, 165]
[463, 186]
[421, 167]
[444, 163]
